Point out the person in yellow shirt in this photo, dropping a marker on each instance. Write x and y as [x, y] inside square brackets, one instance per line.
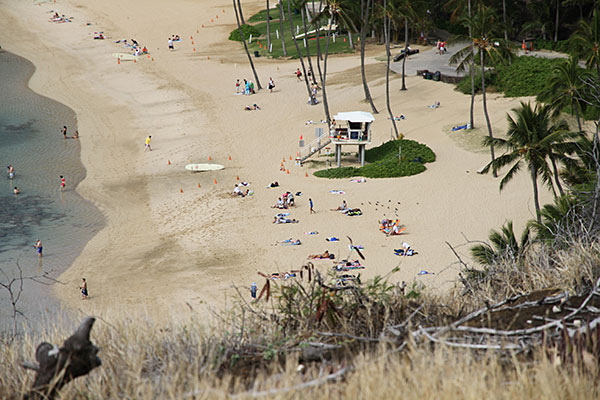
[148, 143]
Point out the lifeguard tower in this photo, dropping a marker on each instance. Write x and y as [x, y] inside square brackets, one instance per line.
[347, 129]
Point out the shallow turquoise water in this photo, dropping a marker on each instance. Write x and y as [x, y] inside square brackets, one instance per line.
[30, 140]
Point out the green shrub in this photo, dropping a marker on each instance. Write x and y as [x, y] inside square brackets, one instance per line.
[464, 86]
[383, 161]
[247, 30]
[561, 46]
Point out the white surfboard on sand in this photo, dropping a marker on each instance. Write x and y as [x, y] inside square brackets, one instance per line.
[124, 56]
[203, 167]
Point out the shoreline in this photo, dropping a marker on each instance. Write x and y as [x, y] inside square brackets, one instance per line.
[171, 248]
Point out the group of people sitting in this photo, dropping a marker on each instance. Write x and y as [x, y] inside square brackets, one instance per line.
[284, 202]
[253, 107]
[238, 191]
[134, 45]
[347, 265]
[391, 226]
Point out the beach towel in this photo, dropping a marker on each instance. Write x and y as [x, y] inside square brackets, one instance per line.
[401, 252]
[311, 233]
[281, 215]
[459, 127]
[354, 212]
[337, 192]
[358, 180]
[423, 272]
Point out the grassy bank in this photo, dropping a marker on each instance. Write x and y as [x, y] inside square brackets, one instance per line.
[390, 160]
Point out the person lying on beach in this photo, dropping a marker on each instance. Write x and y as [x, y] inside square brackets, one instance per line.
[285, 220]
[253, 107]
[99, 36]
[435, 105]
[325, 256]
[273, 184]
[343, 207]
[348, 265]
[290, 242]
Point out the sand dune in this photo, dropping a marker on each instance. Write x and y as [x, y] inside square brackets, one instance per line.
[163, 248]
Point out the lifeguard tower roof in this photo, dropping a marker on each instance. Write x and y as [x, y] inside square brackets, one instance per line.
[354, 116]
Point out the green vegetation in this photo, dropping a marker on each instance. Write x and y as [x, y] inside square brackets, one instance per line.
[524, 76]
[383, 161]
[247, 30]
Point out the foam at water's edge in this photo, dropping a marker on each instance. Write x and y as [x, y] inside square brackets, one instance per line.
[30, 140]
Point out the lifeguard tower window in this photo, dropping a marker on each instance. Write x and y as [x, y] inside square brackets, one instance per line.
[355, 125]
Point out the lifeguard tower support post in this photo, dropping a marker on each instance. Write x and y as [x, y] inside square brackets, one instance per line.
[351, 128]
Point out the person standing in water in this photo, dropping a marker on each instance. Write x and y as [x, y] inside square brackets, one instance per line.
[62, 183]
[38, 247]
[84, 291]
[11, 171]
[64, 131]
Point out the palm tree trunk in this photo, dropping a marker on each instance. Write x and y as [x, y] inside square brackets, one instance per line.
[319, 55]
[536, 199]
[310, 67]
[364, 13]
[405, 53]
[556, 21]
[576, 107]
[386, 29]
[485, 111]
[310, 94]
[472, 73]
[504, 19]
[240, 11]
[268, 28]
[556, 178]
[258, 86]
[324, 76]
[281, 27]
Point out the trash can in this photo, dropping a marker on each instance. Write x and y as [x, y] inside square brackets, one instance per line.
[437, 76]
[429, 76]
[256, 53]
[424, 73]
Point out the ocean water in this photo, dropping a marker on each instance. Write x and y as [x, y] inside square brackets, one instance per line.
[30, 140]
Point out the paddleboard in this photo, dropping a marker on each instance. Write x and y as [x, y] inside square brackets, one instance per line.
[124, 57]
[204, 167]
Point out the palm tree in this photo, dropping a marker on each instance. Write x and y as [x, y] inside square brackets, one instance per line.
[483, 28]
[564, 89]
[258, 86]
[556, 24]
[302, 5]
[281, 27]
[240, 12]
[502, 245]
[312, 98]
[365, 6]
[554, 218]
[586, 42]
[268, 27]
[535, 141]
[386, 29]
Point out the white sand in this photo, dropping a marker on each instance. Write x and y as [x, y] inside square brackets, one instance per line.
[163, 249]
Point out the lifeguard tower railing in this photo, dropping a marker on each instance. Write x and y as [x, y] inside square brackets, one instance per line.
[315, 146]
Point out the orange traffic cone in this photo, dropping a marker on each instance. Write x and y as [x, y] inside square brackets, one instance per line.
[118, 60]
[306, 174]
[168, 162]
[212, 20]
[192, 41]
[216, 16]
[288, 171]
[198, 186]
[290, 158]
[215, 181]
[229, 158]
[208, 58]
[180, 190]
[148, 55]
[191, 37]
[237, 178]
[209, 159]
[134, 60]
[194, 49]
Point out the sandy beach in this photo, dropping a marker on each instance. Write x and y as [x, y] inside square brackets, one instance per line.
[176, 242]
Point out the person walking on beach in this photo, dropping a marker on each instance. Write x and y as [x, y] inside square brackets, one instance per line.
[298, 74]
[237, 86]
[310, 202]
[11, 171]
[84, 290]
[148, 143]
[271, 85]
[63, 130]
[171, 47]
[253, 290]
[38, 247]
[62, 183]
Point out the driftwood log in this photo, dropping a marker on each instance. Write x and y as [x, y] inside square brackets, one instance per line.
[56, 366]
